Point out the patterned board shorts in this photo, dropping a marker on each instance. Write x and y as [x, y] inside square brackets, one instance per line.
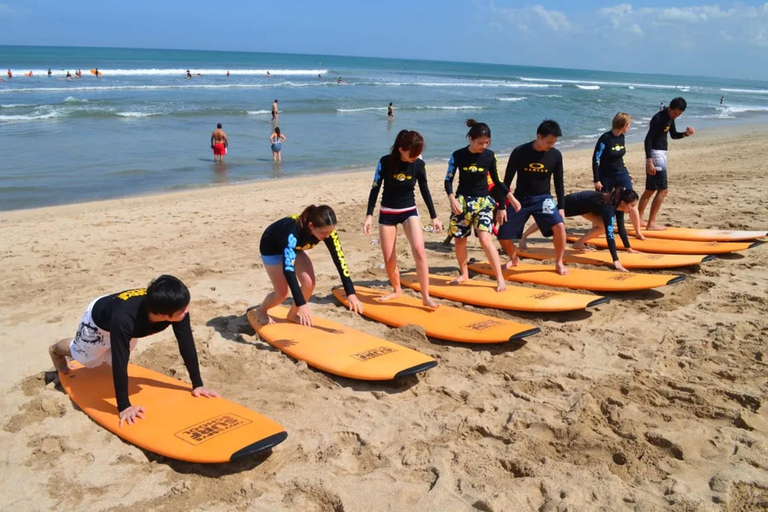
[476, 212]
[91, 345]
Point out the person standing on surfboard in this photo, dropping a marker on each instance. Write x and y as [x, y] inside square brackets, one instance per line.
[608, 167]
[219, 143]
[471, 205]
[111, 326]
[283, 249]
[656, 157]
[535, 163]
[399, 172]
[599, 208]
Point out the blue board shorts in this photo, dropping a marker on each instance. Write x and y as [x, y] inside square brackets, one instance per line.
[544, 211]
[476, 212]
[272, 259]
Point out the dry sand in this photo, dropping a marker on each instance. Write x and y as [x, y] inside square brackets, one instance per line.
[651, 402]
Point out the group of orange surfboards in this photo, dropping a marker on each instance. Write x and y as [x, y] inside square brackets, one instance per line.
[216, 431]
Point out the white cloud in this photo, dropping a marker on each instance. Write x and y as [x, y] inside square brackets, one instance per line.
[534, 16]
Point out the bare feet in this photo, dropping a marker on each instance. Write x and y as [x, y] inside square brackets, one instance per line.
[561, 269]
[522, 244]
[263, 318]
[59, 362]
[511, 263]
[655, 227]
[392, 295]
[429, 302]
[459, 280]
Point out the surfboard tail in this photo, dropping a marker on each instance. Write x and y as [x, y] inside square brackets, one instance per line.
[259, 446]
[524, 334]
[676, 279]
[601, 300]
[708, 257]
[416, 369]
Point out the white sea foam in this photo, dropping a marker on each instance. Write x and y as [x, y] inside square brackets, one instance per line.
[521, 98]
[448, 107]
[18, 105]
[598, 82]
[29, 117]
[745, 91]
[183, 71]
[136, 114]
[72, 99]
[258, 112]
[588, 87]
[359, 109]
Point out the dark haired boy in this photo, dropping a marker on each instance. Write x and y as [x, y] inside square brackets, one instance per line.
[656, 158]
[535, 163]
[111, 326]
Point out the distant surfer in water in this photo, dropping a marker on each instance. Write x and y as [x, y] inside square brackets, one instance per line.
[111, 326]
[656, 157]
[274, 111]
[599, 208]
[399, 171]
[472, 205]
[189, 75]
[390, 112]
[283, 247]
[219, 143]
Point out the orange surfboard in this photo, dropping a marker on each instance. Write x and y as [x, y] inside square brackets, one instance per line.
[175, 424]
[514, 298]
[705, 235]
[637, 260]
[338, 349]
[580, 278]
[94, 72]
[657, 245]
[445, 322]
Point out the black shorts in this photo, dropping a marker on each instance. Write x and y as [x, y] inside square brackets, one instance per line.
[393, 219]
[656, 182]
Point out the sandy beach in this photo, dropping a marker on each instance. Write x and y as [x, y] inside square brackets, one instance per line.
[650, 402]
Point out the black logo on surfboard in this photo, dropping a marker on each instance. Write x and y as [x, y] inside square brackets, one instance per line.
[207, 430]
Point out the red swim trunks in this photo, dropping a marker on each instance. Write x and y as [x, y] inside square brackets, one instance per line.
[219, 149]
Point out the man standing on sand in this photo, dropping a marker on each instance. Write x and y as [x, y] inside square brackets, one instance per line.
[274, 111]
[219, 143]
[656, 158]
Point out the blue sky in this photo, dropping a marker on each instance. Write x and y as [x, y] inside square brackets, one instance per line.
[677, 36]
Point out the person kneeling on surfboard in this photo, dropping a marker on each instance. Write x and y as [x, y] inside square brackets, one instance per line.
[399, 172]
[111, 325]
[283, 249]
[600, 209]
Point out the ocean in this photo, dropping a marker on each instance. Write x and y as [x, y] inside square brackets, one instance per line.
[143, 127]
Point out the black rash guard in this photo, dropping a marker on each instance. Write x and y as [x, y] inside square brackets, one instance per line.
[592, 201]
[125, 316]
[535, 170]
[283, 237]
[474, 170]
[656, 138]
[608, 157]
[398, 186]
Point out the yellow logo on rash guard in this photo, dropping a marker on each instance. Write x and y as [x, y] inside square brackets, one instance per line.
[402, 177]
[340, 253]
[617, 147]
[473, 168]
[138, 292]
[536, 167]
[666, 129]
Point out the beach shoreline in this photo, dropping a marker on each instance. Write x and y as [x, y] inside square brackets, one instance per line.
[654, 401]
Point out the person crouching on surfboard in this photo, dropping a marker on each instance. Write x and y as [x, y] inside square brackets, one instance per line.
[283, 250]
[399, 171]
[111, 325]
[599, 208]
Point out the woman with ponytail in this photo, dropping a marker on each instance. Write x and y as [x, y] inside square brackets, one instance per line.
[472, 205]
[399, 171]
[599, 208]
[283, 250]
